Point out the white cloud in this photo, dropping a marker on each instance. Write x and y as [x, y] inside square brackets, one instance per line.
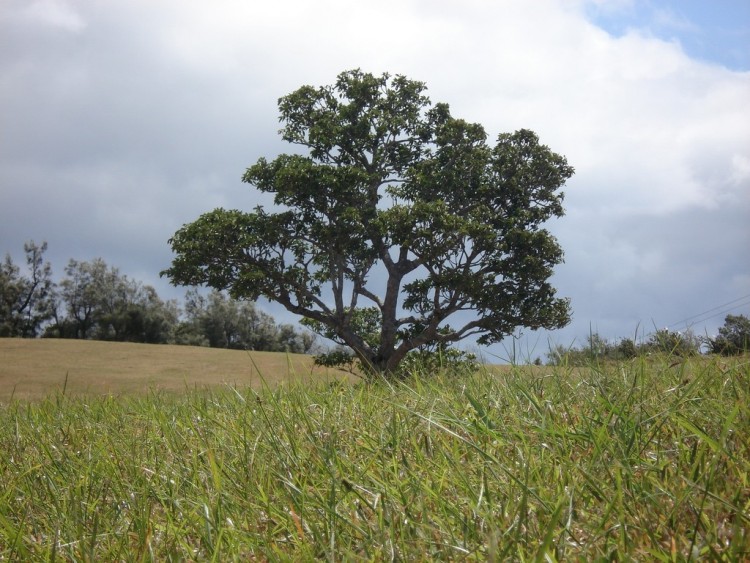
[740, 169]
[54, 13]
[152, 110]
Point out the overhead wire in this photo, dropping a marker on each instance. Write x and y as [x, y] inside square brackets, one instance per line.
[714, 312]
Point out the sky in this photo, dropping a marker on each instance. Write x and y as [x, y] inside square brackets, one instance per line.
[120, 121]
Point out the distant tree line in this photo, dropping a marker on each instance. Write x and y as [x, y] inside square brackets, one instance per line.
[733, 339]
[95, 301]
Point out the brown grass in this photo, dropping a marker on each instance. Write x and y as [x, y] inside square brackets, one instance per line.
[33, 369]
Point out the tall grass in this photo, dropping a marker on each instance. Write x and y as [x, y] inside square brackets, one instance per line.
[646, 460]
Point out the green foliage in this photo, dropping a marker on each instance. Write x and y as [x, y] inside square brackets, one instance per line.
[365, 321]
[627, 349]
[441, 360]
[339, 358]
[95, 301]
[392, 186]
[733, 338]
[674, 343]
[219, 321]
[599, 349]
[102, 304]
[26, 301]
[446, 361]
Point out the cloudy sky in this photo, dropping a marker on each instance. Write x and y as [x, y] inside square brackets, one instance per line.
[122, 120]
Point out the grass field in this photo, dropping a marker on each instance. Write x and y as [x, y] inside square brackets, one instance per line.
[646, 460]
[32, 368]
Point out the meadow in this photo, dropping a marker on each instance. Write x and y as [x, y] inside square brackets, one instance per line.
[642, 460]
[32, 368]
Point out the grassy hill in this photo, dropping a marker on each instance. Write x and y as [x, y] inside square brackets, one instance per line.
[645, 460]
[31, 369]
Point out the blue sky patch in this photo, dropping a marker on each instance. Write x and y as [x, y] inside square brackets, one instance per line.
[716, 31]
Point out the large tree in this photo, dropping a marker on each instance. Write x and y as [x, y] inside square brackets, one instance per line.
[398, 217]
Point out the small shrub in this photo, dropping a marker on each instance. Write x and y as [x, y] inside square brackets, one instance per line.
[627, 349]
[674, 343]
[450, 360]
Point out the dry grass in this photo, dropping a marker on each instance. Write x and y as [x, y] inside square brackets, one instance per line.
[32, 369]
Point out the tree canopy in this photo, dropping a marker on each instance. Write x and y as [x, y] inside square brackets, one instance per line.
[399, 217]
[26, 302]
[733, 338]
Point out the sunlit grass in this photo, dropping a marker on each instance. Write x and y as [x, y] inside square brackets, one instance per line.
[645, 460]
